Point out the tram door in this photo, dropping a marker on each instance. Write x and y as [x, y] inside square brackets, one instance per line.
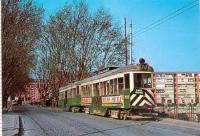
[96, 100]
[96, 104]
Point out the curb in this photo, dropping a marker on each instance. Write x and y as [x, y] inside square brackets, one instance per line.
[11, 125]
[52, 109]
[20, 126]
[7, 109]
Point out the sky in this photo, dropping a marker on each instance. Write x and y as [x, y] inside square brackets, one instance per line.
[173, 46]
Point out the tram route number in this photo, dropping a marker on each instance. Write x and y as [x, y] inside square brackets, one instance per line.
[143, 66]
[139, 91]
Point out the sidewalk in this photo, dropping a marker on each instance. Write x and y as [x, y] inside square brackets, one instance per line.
[9, 108]
[10, 125]
[181, 123]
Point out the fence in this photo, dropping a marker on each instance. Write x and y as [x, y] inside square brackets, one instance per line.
[188, 112]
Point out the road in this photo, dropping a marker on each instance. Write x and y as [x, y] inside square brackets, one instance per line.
[37, 121]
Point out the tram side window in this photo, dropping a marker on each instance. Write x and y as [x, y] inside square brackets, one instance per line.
[120, 85]
[65, 95]
[96, 89]
[108, 87]
[101, 89]
[115, 86]
[61, 96]
[87, 90]
[77, 90]
[127, 84]
[90, 90]
[83, 91]
[69, 94]
[111, 87]
[104, 88]
[73, 93]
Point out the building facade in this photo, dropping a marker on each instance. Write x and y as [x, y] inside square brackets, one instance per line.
[178, 88]
[197, 81]
[33, 91]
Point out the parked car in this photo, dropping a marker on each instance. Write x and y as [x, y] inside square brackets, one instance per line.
[14, 102]
[19, 102]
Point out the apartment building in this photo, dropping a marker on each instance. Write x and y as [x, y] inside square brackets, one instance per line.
[33, 91]
[197, 86]
[179, 88]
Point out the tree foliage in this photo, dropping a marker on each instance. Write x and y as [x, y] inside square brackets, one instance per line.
[70, 46]
[75, 43]
[21, 28]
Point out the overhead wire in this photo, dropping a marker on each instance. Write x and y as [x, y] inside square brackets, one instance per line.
[168, 17]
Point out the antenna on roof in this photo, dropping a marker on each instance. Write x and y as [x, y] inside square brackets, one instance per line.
[125, 40]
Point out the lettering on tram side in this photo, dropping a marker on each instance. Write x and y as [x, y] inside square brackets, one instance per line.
[112, 101]
[86, 100]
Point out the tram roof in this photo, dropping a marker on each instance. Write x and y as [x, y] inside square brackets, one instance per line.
[129, 68]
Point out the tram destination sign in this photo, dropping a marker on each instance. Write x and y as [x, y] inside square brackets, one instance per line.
[144, 67]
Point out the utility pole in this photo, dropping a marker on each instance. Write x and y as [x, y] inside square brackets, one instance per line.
[125, 40]
[131, 36]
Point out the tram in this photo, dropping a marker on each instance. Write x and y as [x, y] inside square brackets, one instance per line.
[117, 92]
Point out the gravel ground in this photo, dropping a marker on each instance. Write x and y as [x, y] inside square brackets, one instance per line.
[40, 122]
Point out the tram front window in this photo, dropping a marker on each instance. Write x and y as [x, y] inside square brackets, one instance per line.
[142, 80]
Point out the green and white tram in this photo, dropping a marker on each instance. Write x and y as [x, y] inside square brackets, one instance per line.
[116, 92]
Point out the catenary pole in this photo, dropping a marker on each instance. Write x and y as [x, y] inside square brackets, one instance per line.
[131, 42]
[125, 40]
